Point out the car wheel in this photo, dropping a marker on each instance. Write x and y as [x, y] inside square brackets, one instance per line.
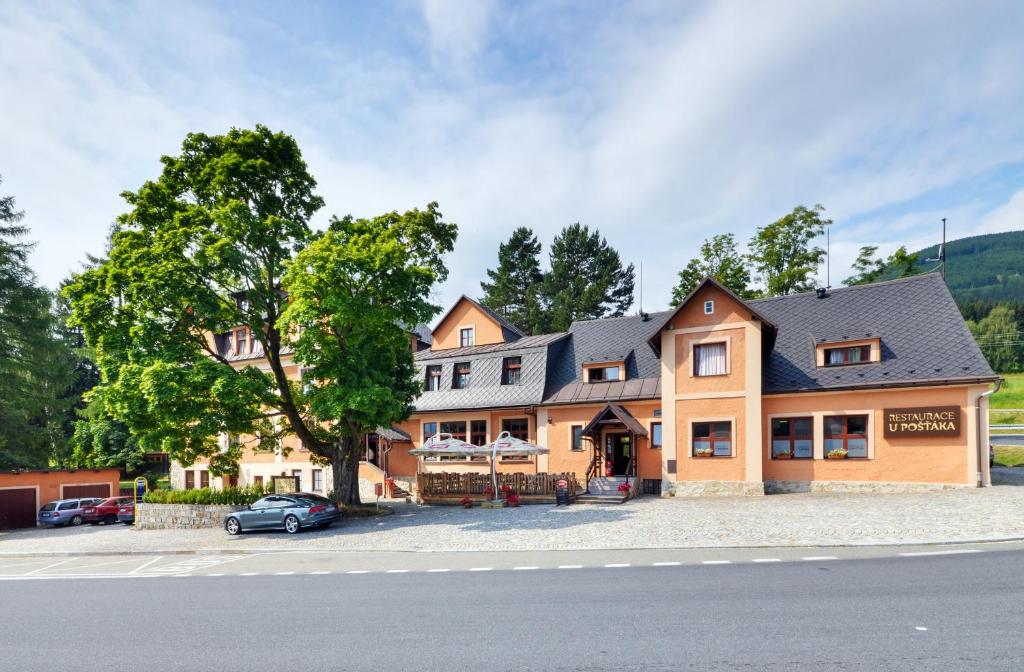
[291, 525]
[110, 519]
[233, 526]
[127, 522]
[76, 521]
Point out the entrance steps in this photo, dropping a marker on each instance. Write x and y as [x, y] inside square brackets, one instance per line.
[603, 490]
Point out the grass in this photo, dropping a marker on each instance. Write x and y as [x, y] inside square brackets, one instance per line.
[1009, 456]
[1011, 395]
[366, 511]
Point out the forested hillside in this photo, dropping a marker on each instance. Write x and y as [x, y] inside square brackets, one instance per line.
[987, 269]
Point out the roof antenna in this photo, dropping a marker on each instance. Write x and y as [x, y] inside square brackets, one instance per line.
[643, 315]
[942, 252]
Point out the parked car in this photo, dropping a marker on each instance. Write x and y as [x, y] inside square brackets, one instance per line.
[290, 512]
[104, 511]
[65, 511]
[126, 512]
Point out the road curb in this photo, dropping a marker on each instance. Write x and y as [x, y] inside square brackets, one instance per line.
[273, 551]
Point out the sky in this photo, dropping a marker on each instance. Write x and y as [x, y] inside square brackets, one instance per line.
[658, 123]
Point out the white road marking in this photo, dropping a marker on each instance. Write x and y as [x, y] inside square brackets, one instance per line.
[618, 564]
[51, 566]
[145, 564]
[816, 558]
[959, 551]
[435, 571]
[212, 575]
[319, 572]
[397, 571]
[358, 571]
[480, 569]
[920, 628]
[283, 573]
[766, 560]
[570, 566]
[525, 568]
[667, 564]
[249, 574]
[716, 562]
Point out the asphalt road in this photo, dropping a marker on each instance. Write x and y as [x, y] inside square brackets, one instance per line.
[925, 612]
[1007, 439]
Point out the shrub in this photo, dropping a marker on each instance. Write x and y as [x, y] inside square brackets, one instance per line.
[227, 496]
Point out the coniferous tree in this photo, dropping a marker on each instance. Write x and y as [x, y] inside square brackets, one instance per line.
[587, 279]
[515, 285]
[719, 260]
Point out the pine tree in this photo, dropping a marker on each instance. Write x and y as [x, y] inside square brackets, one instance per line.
[514, 287]
[719, 260]
[35, 368]
[586, 280]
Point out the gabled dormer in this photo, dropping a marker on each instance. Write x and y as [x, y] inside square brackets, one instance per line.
[468, 323]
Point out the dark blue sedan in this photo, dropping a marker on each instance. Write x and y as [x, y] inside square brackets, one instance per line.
[291, 513]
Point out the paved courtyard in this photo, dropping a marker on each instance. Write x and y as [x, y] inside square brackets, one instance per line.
[995, 513]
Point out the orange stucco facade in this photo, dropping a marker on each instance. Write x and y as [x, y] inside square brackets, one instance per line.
[715, 421]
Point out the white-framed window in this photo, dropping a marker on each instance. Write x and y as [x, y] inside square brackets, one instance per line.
[793, 438]
[709, 307]
[467, 336]
[318, 480]
[710, 359]
[847, 435]
[602, 374]
[712, 438]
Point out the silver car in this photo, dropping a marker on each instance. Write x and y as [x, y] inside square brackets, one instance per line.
[65, 511]
[291, 513]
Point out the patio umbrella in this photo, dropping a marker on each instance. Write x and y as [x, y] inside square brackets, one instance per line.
[447, 445]
[506, 444]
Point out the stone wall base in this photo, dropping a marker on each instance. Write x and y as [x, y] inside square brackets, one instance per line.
[714, 489]
[181, 516]
[789, 487]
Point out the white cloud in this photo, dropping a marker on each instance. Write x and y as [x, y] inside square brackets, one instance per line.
[658, 125]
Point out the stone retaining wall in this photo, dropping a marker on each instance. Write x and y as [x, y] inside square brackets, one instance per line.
[789, 487]
[714, 489]
[181, 516]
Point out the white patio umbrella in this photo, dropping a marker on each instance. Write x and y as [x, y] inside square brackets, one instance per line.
[506, 444]
[449, 446]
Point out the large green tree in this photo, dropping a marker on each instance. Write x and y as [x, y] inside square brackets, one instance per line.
[36, 366]
[514, 288]
[869, 268]
[719, 260]
[587, 279]
[221, 240]
[999, 337]
[782, 253]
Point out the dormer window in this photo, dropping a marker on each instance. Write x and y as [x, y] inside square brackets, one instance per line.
[709, 307]
[510, 370]
[602, 374]
[433, 380]
[242, 342]
[857, 354]
[460, 376]
[467, 337]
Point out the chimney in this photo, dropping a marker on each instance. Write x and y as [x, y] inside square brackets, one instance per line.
[822, 292]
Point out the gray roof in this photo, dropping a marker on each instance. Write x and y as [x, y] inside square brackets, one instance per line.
[923, 337]
[392, 434]
[485, 389]
[609, 339]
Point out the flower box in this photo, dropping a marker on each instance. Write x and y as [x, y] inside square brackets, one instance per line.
[704, 455]
[784, 456]
[836, 455]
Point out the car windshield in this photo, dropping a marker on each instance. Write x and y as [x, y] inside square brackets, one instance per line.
[50, 506]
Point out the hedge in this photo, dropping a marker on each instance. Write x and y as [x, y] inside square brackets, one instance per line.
[228, 496]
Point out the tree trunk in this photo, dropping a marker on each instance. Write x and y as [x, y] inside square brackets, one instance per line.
[345, 470]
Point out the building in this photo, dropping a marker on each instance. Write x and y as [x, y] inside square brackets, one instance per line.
[23, 493]
[873, 387]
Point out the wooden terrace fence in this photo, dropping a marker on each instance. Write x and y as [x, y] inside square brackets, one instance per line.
[442, 484]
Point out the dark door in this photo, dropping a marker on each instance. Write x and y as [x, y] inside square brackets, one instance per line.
[620, 450]
[17, 508]
[102, 490]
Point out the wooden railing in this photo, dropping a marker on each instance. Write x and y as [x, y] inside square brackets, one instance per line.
[444, 484]
[592, 470]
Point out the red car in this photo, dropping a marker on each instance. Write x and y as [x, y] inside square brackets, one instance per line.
[104, 511]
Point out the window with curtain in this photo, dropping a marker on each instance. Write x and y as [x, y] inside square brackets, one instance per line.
[433, 381]
[709, 359]
[858, 354]
[460, 376]
[466, 337]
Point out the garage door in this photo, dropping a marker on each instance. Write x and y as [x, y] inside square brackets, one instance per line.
[17, 508]
[102, 490]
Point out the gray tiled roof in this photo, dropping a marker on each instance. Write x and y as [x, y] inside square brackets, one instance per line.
[922, 335]
[393, 434]
[485, 389]
[609, 339]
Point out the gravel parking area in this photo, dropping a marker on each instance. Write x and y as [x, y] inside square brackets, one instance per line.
[778, 520]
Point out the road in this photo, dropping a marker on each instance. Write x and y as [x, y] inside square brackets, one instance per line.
[1007, 439]
[957, 608]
